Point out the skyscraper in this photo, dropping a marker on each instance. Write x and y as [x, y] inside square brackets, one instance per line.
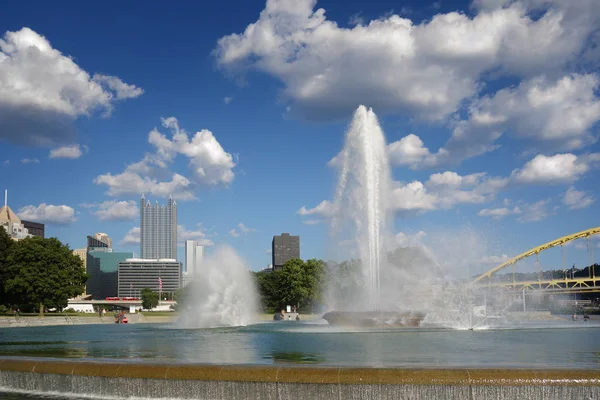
[194, 253]
[158, 229]
[284, 248]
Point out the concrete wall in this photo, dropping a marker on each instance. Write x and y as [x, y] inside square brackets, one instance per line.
[180, 381]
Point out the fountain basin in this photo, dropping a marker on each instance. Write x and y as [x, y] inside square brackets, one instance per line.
[123, 380]
[374, 319]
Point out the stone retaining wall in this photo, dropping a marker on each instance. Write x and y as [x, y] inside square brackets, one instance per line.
[183, 381]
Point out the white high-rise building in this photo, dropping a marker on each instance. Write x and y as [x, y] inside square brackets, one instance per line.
[158, 230]
[194, 253]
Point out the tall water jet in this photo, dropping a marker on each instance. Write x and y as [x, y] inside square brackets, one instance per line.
[362, 198]
[222, 294]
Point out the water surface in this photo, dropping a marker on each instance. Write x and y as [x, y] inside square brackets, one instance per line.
[552, 344]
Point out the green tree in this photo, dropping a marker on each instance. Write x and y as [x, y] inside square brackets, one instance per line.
[149, 299]
[6, 244]
[294, 283]
[314, 281]
[270, 288]
[299, 283]
[45, 272]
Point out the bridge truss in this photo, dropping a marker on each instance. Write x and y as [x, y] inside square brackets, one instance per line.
[565, 285]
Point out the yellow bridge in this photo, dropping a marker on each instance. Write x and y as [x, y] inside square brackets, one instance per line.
[564, 285]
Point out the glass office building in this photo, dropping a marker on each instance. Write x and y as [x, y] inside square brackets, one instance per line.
[158, 230]
[103, 268]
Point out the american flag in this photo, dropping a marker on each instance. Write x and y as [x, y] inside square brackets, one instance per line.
[159, 282]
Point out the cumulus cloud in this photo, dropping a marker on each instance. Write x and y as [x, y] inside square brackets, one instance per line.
[209, 162]
[132, 236]
[43, 91]
[440, 191]
[576, 199]
[30, 161]
[536, 212]
[425, 70]
[241, 228]
[198, 234]
[559, 168]
[409, 151]
[556, 115]
[72, 152]
[233, 233]
[48, 214]
[112, 210]
[228, 99]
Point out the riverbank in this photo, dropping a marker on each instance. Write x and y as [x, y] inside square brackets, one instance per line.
[79, 319]
[90, 319]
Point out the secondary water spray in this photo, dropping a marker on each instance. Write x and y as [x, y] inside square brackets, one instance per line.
[221, 294]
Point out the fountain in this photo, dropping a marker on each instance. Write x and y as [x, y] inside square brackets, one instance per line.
[223, 296]
[362, 206]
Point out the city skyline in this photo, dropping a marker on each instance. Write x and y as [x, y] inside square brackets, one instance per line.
[494, 146]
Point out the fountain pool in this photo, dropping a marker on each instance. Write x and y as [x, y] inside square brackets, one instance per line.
[526, 344]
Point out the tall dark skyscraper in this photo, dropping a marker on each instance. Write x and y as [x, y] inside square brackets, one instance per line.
[284, 248]
[158, 229]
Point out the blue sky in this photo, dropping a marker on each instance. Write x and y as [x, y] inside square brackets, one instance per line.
[490, 110]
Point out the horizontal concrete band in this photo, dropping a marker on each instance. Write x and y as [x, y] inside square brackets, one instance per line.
[303, 374]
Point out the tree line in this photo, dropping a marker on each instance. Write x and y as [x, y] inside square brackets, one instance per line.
[300, 283]
[38, 274]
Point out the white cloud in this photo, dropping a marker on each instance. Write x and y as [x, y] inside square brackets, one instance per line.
[241, 228]
[132, 236]
[394, 65]
[43, 91]
[324, 208]
[48, 214]
[73, 151]
[413, 196]
[535, 212]
[121, 89]
[404, 239]
[228, 99]
[575, 199]
[30, 161]
[409, 150]
[559, 168]
[210, 165]
[6, 162]
[497, 213]
[198, 235]
[112, 210]
[131, 183]
[440, 191]
[553, 115]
